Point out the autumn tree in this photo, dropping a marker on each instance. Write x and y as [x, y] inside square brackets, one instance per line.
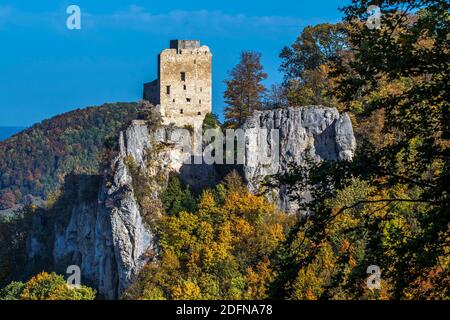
[244, 91]
[306, 64]
[390, 206]
[46, 286]
[402, 68]
[12, 291]
[222, 250]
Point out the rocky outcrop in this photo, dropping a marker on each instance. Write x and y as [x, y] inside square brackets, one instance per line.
[103, 230]
[105, 234]
[317, 133]
[132, 241]
[86, 241]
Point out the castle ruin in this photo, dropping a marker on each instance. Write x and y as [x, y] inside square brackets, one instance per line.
[183, 91]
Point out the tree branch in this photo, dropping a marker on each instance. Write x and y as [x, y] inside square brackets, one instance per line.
[389, 201]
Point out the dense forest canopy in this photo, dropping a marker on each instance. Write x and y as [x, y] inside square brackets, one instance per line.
[36, 160]
[390, 206]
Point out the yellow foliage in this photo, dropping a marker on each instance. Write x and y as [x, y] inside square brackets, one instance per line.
[311, 281]
[259, 280]
[206, 202]
[187, 290]
[214, 246]
[50, 286]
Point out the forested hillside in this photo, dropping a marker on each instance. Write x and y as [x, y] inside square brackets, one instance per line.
[35, 161]
[375, 227]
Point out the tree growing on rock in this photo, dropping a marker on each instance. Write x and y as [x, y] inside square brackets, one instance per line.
[244, 90]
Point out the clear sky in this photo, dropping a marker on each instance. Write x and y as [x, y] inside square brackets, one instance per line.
[46, 69]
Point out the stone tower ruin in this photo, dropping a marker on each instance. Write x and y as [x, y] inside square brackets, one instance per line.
[183, 91]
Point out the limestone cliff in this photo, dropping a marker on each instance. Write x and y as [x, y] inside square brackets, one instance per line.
[104, 235]
[106, 232]
[318, 133]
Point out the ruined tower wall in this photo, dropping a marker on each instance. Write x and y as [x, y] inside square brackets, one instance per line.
[185, 84]
[151, 92]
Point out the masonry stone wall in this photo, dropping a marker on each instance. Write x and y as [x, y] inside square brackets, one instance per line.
[185, 83]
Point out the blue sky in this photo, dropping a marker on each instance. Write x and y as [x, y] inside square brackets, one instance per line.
[46, 69]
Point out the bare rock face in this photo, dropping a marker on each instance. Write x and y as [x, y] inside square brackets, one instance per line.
[132, 243]
[131, 238]
[104, 232]
[315, 132]
[106, 235]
